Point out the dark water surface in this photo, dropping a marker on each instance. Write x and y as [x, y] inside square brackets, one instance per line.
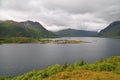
[16, 59]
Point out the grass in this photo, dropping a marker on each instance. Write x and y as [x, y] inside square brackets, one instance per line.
[33, 40]
[18, 40]
[108, 69]
[80, 74]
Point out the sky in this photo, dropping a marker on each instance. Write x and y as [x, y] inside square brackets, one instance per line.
[92, 15]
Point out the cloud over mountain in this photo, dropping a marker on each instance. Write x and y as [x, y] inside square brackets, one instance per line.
[60, 14]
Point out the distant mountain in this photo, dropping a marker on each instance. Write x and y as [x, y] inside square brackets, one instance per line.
[31, 29]
[112, 30]
[75, 33]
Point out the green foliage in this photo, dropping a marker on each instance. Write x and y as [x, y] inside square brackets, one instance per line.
[111, 64]
[43, 41]
[39, 75]
[117, 70]
[73, 66]
[65, 65]
[52, 70]
[106, 67]
[5, 78]
[18, 40]
[33, 40]
[82, 62]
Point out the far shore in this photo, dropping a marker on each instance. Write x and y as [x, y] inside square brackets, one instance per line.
[40, 41]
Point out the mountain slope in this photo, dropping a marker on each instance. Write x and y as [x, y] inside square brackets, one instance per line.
[23, 29]
[112, 30]
[75, 33]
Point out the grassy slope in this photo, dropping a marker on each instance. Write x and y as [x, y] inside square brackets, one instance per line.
[108, 69]
[80, 74]
[30, 29]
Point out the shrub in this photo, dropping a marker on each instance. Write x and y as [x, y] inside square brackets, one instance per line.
[117, 70]
[54, 69]
[82, 62]
[65, 65]
[106, 67]
[73, 66]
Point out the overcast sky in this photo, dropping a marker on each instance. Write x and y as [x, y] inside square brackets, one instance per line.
[59, 14]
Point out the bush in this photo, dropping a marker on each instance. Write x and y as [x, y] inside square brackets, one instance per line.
[51, 70]
[65, 65]
[54, 69]
[73, 66]
[82, 62]
[106, 67]
[117, 70]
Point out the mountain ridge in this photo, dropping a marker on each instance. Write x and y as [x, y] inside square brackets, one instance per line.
[112, 30]
[28, 28]
[75, 33]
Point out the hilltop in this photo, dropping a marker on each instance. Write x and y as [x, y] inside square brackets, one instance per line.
[29, 29]
[112, 30]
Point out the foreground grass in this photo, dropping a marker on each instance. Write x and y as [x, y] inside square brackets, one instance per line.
[108, 69]
[81, 74]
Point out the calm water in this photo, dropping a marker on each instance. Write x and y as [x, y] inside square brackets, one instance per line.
[16, 59]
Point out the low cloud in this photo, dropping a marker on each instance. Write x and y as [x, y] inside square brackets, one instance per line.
[60, 14]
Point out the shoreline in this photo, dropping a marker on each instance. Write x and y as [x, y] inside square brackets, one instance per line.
[102, 68]
[40, 41]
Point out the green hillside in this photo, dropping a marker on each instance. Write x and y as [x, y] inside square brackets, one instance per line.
[75, 33]
[23, 29]
[108, 69]
[113, 30]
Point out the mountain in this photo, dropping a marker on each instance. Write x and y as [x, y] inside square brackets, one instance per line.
[75, 33]
[112, 30]
[30, 29]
